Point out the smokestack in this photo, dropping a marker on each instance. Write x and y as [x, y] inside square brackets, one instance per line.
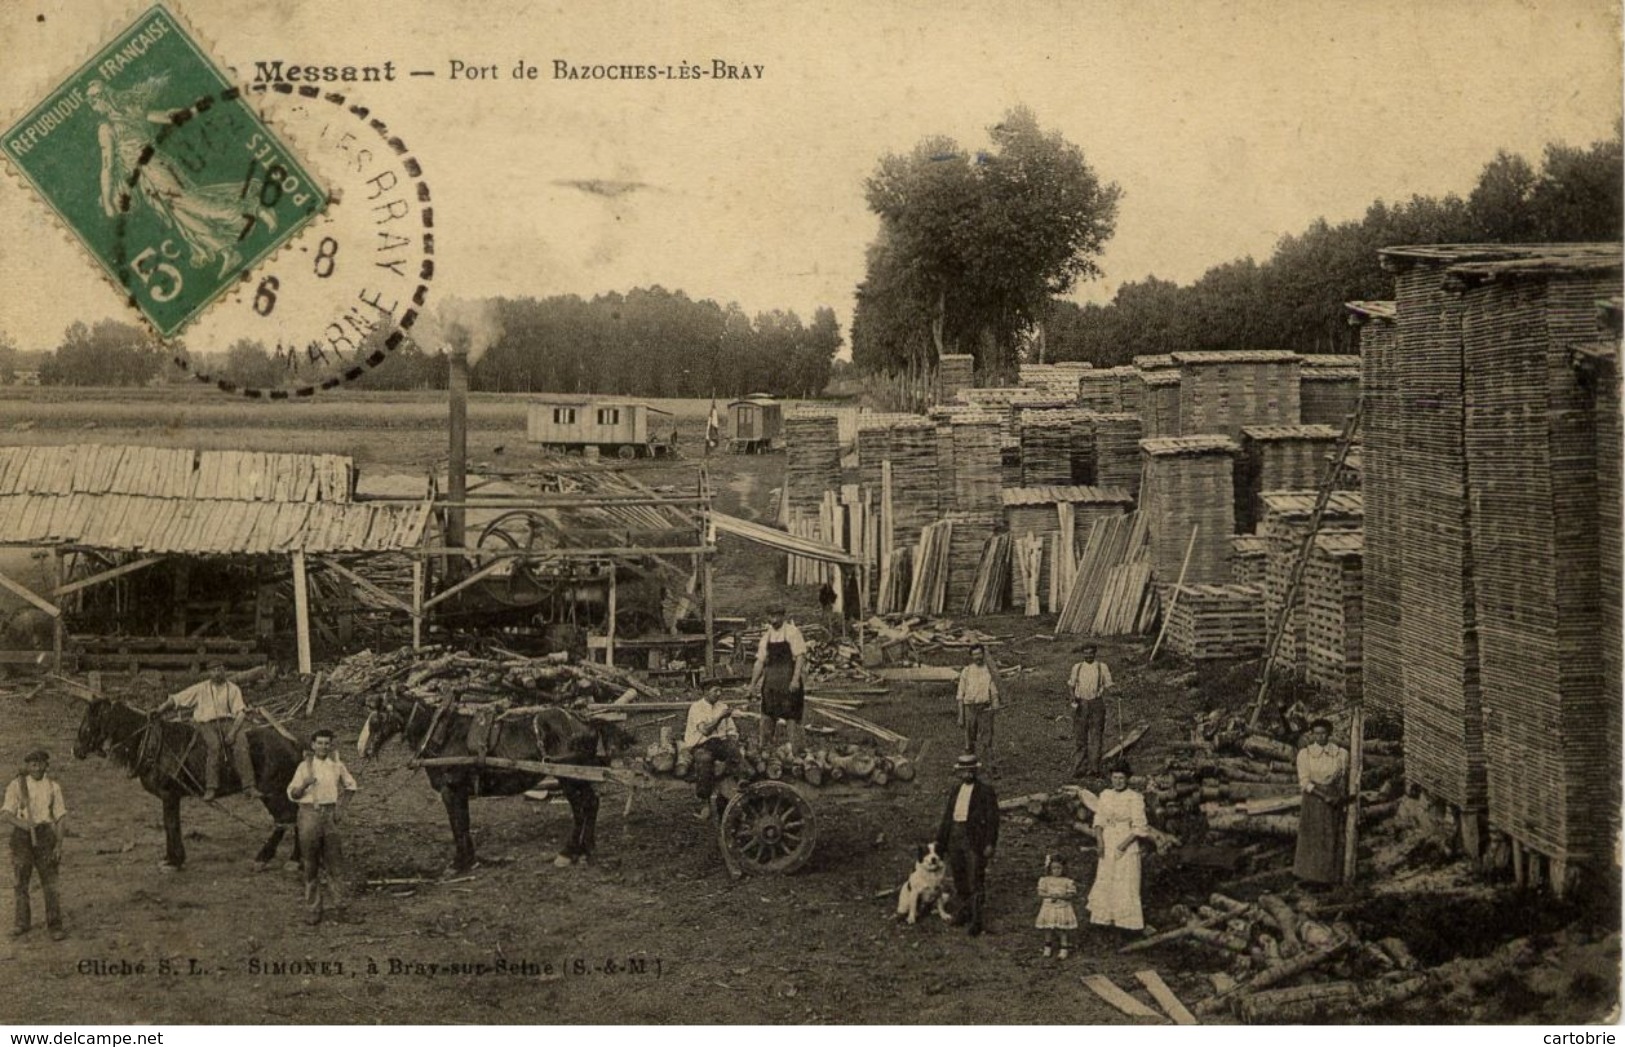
[457, 471]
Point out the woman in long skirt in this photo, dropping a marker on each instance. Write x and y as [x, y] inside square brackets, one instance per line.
[1114, 900]
[1323, 776]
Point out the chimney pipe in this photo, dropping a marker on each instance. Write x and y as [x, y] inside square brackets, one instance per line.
[457, 470]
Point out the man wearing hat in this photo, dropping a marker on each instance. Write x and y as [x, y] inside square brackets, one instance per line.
[967, 837]
[1088, 683]
[781, 663]
[218, 711]
[34, 809]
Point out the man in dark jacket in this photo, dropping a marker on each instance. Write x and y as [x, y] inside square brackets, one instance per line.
[967, 838]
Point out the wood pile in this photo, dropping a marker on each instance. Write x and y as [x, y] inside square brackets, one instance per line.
[1606, 406]
[1249, 554]
[1159, 402]
[928, 591]
[1326, 396]
[1333, 603]
[966, 542]
[1284, 525]
[909, 442]
[1115, 447]
[1055, 379]
[977, 469]
[990, 589]
[1278, 458]
[1531, 444]
[845, 764]
[955, 371]
[1056, 446]
[1382, 443]
[1035, 512]
[812, 460]
[436, 673]
[1217, 621]
[1102, 390]
[1189, 482]
[1219, 392]
[1110, 594]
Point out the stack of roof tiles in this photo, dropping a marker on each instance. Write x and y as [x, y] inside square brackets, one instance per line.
[1056, 446]
[909, 442]
[1284, 525]
[1333, 605]
[1033, 510]
[1382, 436]
[1278, 458]
[1115, 450]
[1221, 392]
[1216, 621]
[812, 461]
[1189, 483]
[1530, 439]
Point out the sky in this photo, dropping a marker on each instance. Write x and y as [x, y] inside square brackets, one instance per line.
[1227, 125]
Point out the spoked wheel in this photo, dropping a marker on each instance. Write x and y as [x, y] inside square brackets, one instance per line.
[768, 829]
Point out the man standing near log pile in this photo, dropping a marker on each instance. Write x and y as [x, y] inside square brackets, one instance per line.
[968, 835]
[218, 711]
[1323, 769]
[781, 664]
[1088, 682]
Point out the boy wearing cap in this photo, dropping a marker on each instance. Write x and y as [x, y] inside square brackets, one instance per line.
[322, 787]
[967, 837]
[34, 809]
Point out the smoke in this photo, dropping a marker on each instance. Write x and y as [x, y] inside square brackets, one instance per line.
[468, 325]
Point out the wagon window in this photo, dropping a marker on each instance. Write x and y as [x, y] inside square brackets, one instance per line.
[564, 416]
[609, 416]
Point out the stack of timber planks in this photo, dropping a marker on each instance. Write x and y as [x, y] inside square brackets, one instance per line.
[1056, 446]
[1111, 592]
[1278, 458]
[1382, 447]
[977, 466]
[1102, 390]
[1249, 554]
[1034, 511]
[928, 591]
[1284, 525]
[1189, 482]
[1327, 395]
[1219, 392]
[955, 371]
[991, 586]
[1159, 402]
[1115, 445]
[812, 461]
[1333, 610]
[909, 442]
[1209, 622]
[1606, 407]
[968, 538]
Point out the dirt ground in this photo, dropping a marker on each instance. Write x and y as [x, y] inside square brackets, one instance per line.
[653, 932]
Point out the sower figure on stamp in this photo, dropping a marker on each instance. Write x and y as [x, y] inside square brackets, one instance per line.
[1089, 681]
[322, 787]
[781, 661]
[218, 711]
[968, 836]
[712, 737]
[978, 700]
[34, 809]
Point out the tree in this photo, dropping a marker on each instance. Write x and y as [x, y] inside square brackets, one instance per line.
[973, 248]
[249, 364]
[110, 353]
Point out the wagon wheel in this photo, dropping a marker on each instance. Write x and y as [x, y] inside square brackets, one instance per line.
[626, 451]
[768, 829]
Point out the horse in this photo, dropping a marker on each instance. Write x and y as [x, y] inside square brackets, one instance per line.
[552, 733]
[168, 759]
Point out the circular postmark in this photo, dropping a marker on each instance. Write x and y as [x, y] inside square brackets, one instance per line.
[327, 305]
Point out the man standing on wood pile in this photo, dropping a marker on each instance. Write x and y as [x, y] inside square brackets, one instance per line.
[711, 737]
[1323, 769]
[978, 700]
[322, 787]
[781, 664]
[34, 809]
[1089, 681]
[218, 711]
[968, 835]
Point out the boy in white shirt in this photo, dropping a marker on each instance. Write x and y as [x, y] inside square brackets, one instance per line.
[35, 811]
[322, 787]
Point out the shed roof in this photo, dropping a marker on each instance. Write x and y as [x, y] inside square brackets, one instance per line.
[175, 472]
[1014, 496]
[1238, 356]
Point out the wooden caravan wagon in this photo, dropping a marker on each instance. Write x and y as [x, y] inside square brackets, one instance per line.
[758, 425]
[623, 428]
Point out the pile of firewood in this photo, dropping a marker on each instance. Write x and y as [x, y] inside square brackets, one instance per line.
[1285, 966]
[435, 672]
[849, 764]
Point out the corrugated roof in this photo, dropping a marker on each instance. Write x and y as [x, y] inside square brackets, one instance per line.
[1239, 356]
[1171, 445]
[202, 526]
[1014, 496]
[1290, 432]
[1373, 310]
[175, 472]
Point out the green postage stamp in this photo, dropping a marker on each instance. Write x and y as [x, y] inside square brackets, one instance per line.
[171, 181]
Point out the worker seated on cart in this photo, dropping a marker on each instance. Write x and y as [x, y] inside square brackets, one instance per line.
[712, 738]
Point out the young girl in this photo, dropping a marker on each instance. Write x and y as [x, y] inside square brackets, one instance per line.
[1056, 917]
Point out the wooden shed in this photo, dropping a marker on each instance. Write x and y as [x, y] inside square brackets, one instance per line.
[758, 425]
[624, 428]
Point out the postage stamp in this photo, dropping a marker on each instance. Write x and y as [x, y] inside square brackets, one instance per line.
[174, 218]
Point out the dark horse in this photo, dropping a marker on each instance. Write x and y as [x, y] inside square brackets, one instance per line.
[552, 733]
[168, 758]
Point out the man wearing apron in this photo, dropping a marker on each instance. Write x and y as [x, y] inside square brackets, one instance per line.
[781, 661]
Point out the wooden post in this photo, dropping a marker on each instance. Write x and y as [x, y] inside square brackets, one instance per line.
[609, 626]
[417, 603]
[301, 610]
[58, 623]
[708, 539]
[1351, 828]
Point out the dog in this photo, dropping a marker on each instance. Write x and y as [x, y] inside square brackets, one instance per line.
[924, 887]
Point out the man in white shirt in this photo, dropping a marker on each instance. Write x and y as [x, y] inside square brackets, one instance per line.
[218, 711]
[1088, 683]
[34, 809]
[712, 737]
[781, 663]
[978, 701]
[322, 787]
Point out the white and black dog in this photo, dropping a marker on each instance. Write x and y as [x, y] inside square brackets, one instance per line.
[924, 887]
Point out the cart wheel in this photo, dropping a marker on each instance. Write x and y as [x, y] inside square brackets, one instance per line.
[768, 829]
[626, 451]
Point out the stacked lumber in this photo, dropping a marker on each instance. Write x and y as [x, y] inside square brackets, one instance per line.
[1284, 525]
[955, 371]
[812, 460]
[1531, 440]
[1104, 594]
[928, 591]
[846, 520]
[966, 541]
[1115, 446]
[1278, 458]
[1219, 392]
[1102, 390]
[1606, 407]
[1382, 443]
[1333, 602]
[909, 442]
[1217, 621]
[1035, 512]
[1327, 395]
[1056, 446]
[1130, 391]
[946, 415]
[1188, 483]
[977, 468]
[945, 459]
[1057, 379]
[991, 587]
[1159, 402]
[1249, 554]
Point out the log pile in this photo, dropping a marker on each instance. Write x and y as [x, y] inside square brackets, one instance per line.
[1217, 621]
[435, 672]
[1332, 607]
[1189, 483]
[845, 764]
